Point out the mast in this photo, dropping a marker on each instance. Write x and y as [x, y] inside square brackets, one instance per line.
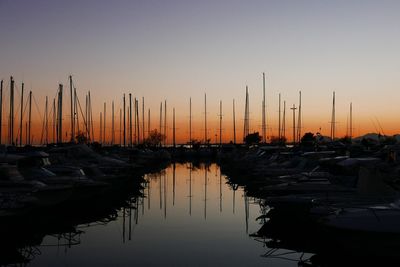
[190, 121]
[91, 128]
[46, 121]
[124, 131]
[137, 120]
[72, 111]
[205, 118]
[148, 125]
[21, 115]
[161, 118]
[351, 121]
[11, 116]
[284, 122]
[264, 123]
[101, 128]
[1, 110]
[30, 119]
[120, 127]
[299, 120]
[143, 129]
[87, 116]
[54, 121]
[333, 118]
[165, 122]
[76, 115]
[294, 123]
[173, 128]
[279, 119]
[220, 123]
[104, 124]
[112, 124]
[234, 123]
[130, 119]
[59, 126]
[246, 116]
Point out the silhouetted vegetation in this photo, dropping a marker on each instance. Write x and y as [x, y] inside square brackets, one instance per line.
[154, 139]
[308, 139]
[252, 139]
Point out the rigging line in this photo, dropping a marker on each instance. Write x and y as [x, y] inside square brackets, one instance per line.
[80, 108]
[23, 114]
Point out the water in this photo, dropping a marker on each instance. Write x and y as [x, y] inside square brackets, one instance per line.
[189, 216]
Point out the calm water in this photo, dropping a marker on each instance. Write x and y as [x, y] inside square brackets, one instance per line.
[188, 216]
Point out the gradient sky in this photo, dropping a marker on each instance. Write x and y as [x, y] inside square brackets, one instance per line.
[179, 49]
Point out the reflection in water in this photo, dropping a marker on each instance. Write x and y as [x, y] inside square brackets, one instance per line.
[190, 227]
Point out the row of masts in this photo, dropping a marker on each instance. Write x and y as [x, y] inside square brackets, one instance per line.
[132, 127]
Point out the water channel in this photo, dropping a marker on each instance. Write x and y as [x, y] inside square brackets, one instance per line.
[186, 215]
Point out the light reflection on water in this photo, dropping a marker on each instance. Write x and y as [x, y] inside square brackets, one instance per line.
[189, 216]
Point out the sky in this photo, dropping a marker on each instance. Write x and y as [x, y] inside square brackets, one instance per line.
[174, 50]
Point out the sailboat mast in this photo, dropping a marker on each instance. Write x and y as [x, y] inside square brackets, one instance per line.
[148, 125]
[173, 128]
[246, 115]
[284, 122]
[54, 120]
[333, 118]
[59, 126]
[72, 111]
[104, 124]
[165, 122]
[1, 111]
[112, 124]
[205, 118]
[299, 120]
[190, 121]
[30, 119]
[137, 120]
[279, 119]
[46, 121]
[124, 131]
[161, 118]
[11, 116]
[130, 120]
[351, 121]
[264, 123]
[143, 123]
[21, 115]
[101, 128]
[234, 123]
[294, 123]
[220, 123]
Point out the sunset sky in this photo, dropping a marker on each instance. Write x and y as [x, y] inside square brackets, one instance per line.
[175, 50]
